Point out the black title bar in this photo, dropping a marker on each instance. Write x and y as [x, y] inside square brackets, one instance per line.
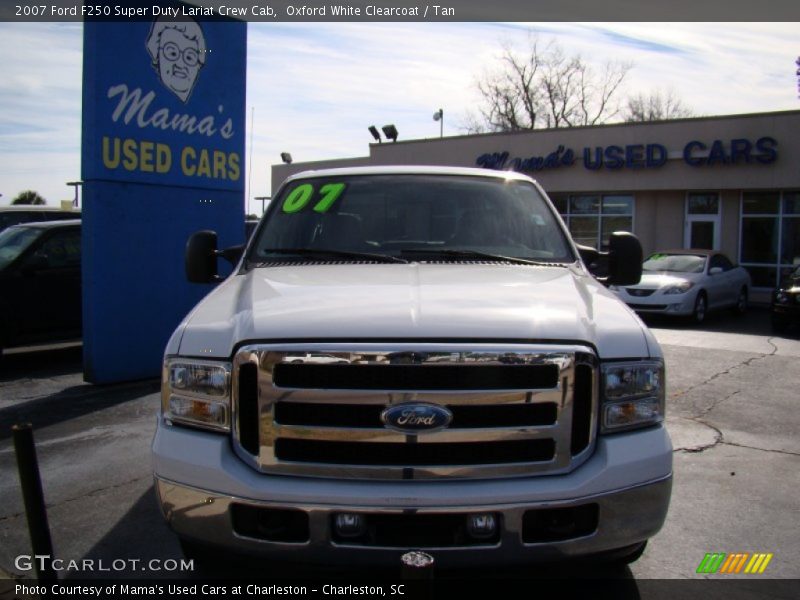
[406, 10]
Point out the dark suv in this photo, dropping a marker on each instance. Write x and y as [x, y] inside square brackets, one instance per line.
[786, 303]
[15, 215]
[40, 274]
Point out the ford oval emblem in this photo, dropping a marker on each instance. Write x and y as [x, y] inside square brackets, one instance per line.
[416, 418]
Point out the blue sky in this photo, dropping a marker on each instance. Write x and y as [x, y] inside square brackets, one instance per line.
[313, 89]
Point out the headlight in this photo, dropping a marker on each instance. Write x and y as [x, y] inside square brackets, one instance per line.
[632, 395]
[680, 288]
[195, 392]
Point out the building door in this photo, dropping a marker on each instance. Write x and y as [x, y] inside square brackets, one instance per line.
[702, 221]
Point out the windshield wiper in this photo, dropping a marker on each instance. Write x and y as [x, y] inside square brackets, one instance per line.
[478, 254]
[328, 253]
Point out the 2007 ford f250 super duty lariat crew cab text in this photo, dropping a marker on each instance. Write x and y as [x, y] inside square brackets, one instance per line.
[490, 401]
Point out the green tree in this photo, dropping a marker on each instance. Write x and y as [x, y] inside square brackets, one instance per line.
[29, 197]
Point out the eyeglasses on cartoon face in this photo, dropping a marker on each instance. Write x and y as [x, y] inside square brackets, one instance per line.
[172, 52]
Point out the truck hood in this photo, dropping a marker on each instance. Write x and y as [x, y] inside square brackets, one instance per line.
[416, 301]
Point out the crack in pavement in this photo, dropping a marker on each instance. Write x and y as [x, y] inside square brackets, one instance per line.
[761, 449]
[728, 371]
[719, 440]
[719, 436]
[81, 497]
[714, 404]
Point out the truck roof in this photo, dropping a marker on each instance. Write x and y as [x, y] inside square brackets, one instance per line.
[410, 170]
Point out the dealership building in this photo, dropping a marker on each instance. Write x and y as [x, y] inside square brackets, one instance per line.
[730, 183]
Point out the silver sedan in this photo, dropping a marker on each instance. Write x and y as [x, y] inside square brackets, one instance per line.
[688, 283]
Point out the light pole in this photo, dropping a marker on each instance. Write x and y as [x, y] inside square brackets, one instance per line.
[263, 200]
[439, 116]
[76, 185]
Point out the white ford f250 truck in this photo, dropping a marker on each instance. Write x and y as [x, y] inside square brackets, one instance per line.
[492, 402]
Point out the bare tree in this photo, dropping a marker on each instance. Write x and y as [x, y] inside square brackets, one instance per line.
[29, 197]
[656, 106]
[544, 87]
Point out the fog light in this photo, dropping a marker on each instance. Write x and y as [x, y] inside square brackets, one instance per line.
[349, 525]
[481, 526]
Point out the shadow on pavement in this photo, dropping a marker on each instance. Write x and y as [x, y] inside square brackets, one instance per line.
[71, 403]
[756, 321]
[40, 363]
[142, 535]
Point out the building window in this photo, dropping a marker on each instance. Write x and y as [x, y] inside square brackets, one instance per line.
[770, 240]
[592, 218]
[702, 221]
[702, 204]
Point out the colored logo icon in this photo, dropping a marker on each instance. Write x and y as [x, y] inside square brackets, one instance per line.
[739, 562]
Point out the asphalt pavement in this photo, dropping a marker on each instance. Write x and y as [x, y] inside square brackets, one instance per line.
[732, 413]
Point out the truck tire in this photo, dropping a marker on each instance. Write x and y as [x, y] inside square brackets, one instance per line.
[632, 555]
[621, 556]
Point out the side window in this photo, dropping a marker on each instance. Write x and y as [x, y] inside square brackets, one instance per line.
[62, 250]
[720, 261]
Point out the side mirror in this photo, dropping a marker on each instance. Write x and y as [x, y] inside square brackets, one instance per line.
[232, 254]
[589, 255]
[201, 257]
[621, 265]
[624, 259]
[715, 270]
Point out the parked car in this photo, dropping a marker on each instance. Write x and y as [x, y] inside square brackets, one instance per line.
[688, 283]
[310, 357]
[14, 215]
[40, 275]
[786, 303]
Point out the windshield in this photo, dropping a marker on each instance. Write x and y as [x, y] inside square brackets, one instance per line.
[676, 263]
[14, 241]
[411, 217]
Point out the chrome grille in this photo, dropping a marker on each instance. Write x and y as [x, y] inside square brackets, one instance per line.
[316, 411]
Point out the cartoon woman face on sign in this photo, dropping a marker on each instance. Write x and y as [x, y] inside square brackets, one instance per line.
[178, 50]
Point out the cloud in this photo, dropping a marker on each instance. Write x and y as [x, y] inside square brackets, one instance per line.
[40, 92]
[314, 88]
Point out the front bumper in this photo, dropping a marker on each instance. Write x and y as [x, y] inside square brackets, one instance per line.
[199, 479]
[679, 305]
[787, 312]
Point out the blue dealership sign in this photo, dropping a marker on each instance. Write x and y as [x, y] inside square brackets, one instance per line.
[162, 157]
[165, 102]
